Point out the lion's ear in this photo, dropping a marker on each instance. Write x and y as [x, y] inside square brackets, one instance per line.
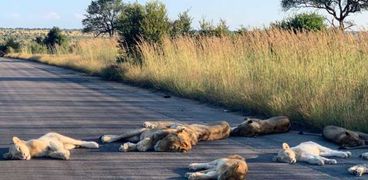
[285, 146]
[180, 129]
[347, 133]
[7, 156]
[250, 121]
[16, 140]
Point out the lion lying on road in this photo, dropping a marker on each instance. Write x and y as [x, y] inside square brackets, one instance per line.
[169, 136]
[344, 137]
[254, 127]
[232, 167]
[309, 152]
[52, 145]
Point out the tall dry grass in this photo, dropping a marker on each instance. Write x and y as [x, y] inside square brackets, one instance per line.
[88, 55]
[320, 78]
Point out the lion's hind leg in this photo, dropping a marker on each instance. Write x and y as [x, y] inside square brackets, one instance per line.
[198, 166]
[312, 159]
[128, 134]
[334, 153]
[328, 161]
[202, 175]
[69, 142]
[327, 152]
[160, 124]
[64, 155]
[142, 146]
[58, 151]
[145, 144]
[69, 146]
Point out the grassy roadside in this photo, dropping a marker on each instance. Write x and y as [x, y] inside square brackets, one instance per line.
[320, 78]
[91, 56]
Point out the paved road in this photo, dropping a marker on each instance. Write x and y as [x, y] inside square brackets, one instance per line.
[36, 99]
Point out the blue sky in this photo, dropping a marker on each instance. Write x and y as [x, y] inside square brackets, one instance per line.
[68, 13]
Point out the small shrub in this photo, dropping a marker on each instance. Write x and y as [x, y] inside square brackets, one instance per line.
[11, 45]
[302, 22]
[138, 22]
[37, 48]
[55, 38]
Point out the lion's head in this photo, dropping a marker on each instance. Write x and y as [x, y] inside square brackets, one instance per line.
[18, 150]
[348, 139]
[285, 155]
[250, 127]
[174, 142]
[234, 168]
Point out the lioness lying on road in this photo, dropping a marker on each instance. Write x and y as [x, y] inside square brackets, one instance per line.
[169, 136]
[344, 137]
[309, 152]
[254, 127]
[232, 167]
[52, 145]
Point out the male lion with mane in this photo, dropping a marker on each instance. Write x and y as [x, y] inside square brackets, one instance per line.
[169, 136]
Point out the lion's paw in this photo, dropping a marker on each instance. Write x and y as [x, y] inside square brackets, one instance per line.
[320, 162]
[364, 156]
[125, 147]
[188, 174]
[105, 138]
[348, 154]
[193, 166]
[193, 176]
[149, 125]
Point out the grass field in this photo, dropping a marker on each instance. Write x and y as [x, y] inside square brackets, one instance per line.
[319, 78]
[87, 55]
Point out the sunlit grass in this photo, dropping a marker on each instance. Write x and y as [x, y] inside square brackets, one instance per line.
[319, 78]
[88, 55]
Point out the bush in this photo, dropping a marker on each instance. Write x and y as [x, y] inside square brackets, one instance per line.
[55, 38]
[142, 22]
[155, 24]
[181, 26]
[207, 28]
[10, 45]
[302, 22]
[129, 27]
[36, 48]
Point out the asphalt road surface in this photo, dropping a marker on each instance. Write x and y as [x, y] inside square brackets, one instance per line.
[36, 99]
